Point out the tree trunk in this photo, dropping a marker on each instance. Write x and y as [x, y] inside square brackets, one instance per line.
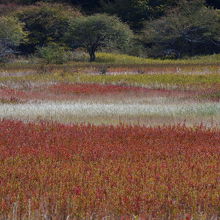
[92, 56]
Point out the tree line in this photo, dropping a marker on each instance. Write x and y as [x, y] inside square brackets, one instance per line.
[153, 28]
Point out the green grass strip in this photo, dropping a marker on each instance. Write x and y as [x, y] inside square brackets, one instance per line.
[179, 80]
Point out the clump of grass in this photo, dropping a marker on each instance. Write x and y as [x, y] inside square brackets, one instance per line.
[103, 69]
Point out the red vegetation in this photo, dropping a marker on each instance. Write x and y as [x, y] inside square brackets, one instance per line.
[93, 88]
[66, 91]
[85, 170]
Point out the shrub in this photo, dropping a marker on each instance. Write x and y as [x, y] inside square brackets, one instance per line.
[54, 54]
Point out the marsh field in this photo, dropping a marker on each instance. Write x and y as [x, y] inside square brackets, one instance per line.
[122, 138]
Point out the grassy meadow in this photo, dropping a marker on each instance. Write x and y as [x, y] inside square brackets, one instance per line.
[122, 138]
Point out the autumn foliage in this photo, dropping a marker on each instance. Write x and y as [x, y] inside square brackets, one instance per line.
[97, 171]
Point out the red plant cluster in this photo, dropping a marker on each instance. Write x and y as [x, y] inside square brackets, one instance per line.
[93, 88]
[96, 171]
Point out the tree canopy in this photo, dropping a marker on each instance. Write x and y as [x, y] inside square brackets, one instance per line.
[45, 23]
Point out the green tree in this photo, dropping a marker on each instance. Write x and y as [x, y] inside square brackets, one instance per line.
[97, 32]
[45, 23]
[11, 35]
[190, 29]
